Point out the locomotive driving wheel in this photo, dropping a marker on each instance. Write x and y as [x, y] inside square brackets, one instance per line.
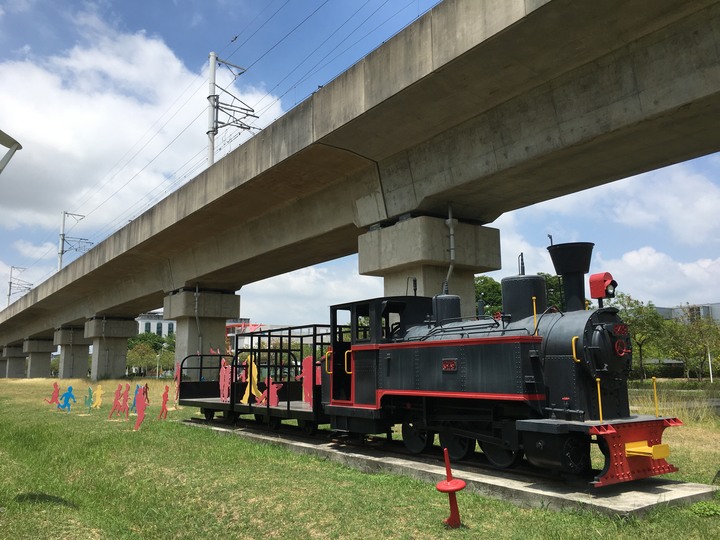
[458, 447]
[502, 458]
[415, 439]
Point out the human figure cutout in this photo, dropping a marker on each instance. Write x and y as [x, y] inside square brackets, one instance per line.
[163, 407]
[65, 399]
[141, 404]
[177, 378]
[251, 379]
[133, 407]
[224, 381]
[89, 399]
[98, 397]
[307, 380]
[124, 407]
[271, 392]
[116, 406]
[55, 394]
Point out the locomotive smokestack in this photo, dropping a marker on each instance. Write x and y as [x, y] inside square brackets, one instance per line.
[572, 262]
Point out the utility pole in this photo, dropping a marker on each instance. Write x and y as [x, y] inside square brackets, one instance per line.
[236, 111]
[18, 284]
[75, 244]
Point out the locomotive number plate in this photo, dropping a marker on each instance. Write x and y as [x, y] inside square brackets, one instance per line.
[449, 364]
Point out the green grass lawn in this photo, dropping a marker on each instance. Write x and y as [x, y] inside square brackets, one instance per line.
[79, 475]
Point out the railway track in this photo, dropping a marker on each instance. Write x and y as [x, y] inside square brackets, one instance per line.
[380, 447]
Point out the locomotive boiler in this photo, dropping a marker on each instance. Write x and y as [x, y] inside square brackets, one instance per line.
[532, 381]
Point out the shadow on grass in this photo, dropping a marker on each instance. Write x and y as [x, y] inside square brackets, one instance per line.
[36, 498]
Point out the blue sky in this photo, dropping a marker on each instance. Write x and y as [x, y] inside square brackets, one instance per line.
[108, 99]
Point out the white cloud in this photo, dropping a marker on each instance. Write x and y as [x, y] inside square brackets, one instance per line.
[651, 275]
[304, 296]
[46, 250]
[85, 119]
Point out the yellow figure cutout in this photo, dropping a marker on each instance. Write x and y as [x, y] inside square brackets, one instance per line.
[251, 379]
[98, 397]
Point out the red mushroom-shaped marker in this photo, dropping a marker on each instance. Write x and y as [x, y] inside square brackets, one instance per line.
[451, 486]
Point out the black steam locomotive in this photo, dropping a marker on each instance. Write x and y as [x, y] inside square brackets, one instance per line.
[532, 381]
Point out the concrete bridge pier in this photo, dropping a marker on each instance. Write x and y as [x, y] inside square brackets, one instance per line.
[38, 354]
[74, 352]
[109, 340]
[3, 368]
[15, 362]
[201, 318]
[420, 248]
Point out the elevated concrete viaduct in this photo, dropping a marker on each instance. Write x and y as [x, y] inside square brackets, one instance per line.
[481, 106]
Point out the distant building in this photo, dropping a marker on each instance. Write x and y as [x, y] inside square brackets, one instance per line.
[700, 310]
[153, 323]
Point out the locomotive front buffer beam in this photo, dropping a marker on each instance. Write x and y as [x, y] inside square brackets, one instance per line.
[632, 447]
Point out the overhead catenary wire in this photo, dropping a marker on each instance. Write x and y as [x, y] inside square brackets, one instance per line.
[194, 164]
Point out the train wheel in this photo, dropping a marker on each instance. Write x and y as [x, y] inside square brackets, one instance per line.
[416, 440]
[209, 414]
[500, 457]
[459, 447]
[308, 427]
[230, 417]
[274, 423]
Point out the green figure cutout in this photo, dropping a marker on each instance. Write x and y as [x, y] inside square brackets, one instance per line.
[89, 399]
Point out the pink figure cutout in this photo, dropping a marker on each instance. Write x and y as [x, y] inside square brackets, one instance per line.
[163, 407]
[142, 403]
[306, 376]
[124, 407]
[116, 406]
[55, 395]
[98, 397]
[224, 381]
[177, 378]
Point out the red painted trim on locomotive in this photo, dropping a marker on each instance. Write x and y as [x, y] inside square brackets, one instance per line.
[379, 394]
[449, 343]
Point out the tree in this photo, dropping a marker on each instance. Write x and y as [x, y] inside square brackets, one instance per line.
[689, 337]
[490, 292]
[142, 355]
[147, 350]
[152, 340]
[553, 286]
[644, 322]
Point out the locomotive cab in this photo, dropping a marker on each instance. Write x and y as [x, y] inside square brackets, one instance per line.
[358, 329]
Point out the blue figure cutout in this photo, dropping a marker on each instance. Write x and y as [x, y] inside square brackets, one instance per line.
[65, 399]
[89, 399]
[133, 407]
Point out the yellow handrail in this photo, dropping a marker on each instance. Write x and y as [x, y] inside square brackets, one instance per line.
[346, 361]
[599, 399]
[534, 298]
[574, 349]
[327, 369]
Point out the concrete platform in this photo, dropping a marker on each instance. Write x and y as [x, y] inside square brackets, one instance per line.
[627, 499]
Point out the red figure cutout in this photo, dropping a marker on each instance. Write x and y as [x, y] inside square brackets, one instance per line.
[163, 407]
[116, 406]
[124, 407]
[141, 405]
[55, 395]
[271, 388]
